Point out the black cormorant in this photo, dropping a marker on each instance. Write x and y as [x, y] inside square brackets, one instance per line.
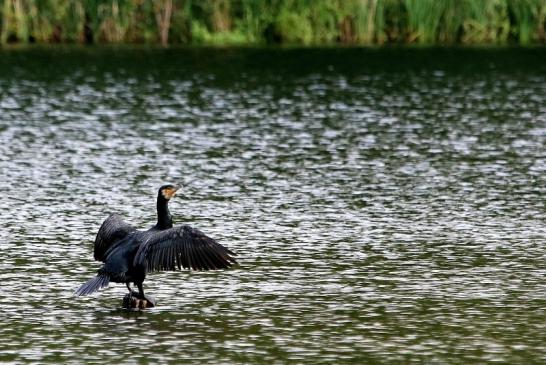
[128, 254]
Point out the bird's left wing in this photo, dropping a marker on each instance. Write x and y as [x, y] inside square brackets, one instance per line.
[182, 247]
[112, 230]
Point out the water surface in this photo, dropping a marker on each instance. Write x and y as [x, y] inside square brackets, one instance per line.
[387, 206]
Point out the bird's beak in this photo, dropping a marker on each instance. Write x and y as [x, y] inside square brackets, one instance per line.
[176, 188]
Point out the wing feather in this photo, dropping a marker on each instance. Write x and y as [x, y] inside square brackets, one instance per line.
[208, 261]
[172, 259]
[192, 256]
[169, 258]
[200, 258]
[186, 253]
[183, 247]
[111, 231]
[197, 256]
[159, 262]
[216, 258]
[177, 259]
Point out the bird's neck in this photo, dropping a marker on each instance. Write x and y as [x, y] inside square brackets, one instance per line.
[164, 219]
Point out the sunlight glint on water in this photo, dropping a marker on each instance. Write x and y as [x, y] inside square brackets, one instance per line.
[379, 216]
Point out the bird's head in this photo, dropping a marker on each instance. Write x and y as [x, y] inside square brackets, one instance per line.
[168, 191]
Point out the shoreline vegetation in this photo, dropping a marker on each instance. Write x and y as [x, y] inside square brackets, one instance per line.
[263, 22]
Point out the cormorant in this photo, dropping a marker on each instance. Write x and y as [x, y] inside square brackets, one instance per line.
[129, 254]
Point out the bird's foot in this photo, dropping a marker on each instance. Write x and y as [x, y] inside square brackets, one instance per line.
[135, 300]
[151, 301]
[134, 294]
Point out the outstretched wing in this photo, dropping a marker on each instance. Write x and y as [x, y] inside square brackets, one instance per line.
[184, 247]
[112, 230]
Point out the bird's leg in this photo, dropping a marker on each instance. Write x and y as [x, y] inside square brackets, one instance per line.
[131, 291]
[141, 290]
[144, 296]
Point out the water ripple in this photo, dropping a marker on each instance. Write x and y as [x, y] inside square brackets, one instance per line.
[392, 217]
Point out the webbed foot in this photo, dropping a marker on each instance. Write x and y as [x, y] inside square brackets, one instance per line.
[151, 301]
[134, 294]
[136, 300]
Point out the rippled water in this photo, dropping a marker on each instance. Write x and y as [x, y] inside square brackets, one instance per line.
[387, 206]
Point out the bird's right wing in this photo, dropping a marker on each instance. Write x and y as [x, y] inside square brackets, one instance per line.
[112, 230]
[183, 247]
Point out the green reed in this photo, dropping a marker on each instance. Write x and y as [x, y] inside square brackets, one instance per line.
[308, 22]
[530, 18]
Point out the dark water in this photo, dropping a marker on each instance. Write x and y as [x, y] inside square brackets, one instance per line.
[387, 206]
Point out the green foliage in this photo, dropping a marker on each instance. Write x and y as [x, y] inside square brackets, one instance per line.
[180, 23]
[486, 21]
[307, 22]
[529, 18]
[368, 20]
[451, 24]
[293, 23]
[424, 19]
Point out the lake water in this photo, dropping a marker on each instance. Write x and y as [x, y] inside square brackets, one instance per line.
[386, 206]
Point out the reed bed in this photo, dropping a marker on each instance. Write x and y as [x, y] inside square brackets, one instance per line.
[250, 22]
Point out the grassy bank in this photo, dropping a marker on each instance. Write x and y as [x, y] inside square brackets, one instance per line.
[308, 22]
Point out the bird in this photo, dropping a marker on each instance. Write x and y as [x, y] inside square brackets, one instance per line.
[129, 254]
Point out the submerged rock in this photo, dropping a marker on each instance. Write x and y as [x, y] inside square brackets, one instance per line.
[131, 301]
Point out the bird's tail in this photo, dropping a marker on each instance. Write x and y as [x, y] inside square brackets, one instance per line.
[98, 282]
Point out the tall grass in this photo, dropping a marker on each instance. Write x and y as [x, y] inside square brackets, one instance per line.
[529, 18]
[487, 21]
[424, 18]
[274, 21]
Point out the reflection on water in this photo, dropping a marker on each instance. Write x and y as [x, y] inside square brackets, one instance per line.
[382, 212]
